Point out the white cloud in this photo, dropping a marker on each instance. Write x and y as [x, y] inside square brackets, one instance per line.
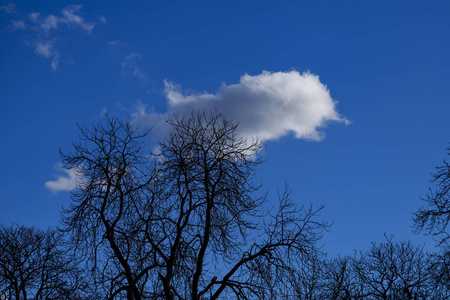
[40, 29]
[18, 24]
[70, 17]
[49, 23]
[9, 8]
[267, 106]
[129, 66]
[103, 113]
[102, 19]
[46, 49]
[115, 43]
[67, 182]
[34, 17]
[44, 29]
[55, 63]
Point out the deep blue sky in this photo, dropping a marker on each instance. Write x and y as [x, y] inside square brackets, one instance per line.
[385, 63]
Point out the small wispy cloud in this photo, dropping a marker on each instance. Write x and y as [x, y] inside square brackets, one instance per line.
[72, 18]
[103, 112]
[34, 17]
[267, 106]
[18, 25]
[66, 182]
[9, 8]
[42, 30]
[46, 49]
[102, 19]
[115, 43]
[129, 66]
[55, 63]
[69, 16]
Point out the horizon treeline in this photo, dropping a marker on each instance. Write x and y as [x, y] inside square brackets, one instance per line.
[188, 222]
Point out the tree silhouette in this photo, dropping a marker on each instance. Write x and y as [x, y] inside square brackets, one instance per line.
[102, 220]
[388, 270]
[188, 222]
[340, 279]
[435, 216]
[394, 271]
[34, 265]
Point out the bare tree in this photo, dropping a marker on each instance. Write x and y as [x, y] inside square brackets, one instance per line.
[308, 280]
[112, 169]
[394, 271]
[216, 242]
[440, 274]
[340, 281]
[435, 216]
[34, 265]
[187, 223]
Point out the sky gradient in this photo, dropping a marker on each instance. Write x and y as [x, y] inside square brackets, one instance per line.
[351, 99]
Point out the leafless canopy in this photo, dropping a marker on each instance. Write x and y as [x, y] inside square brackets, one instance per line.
[187, 222]
[35, 265]
[434, 217]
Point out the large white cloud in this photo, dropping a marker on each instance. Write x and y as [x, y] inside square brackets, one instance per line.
[267, 106]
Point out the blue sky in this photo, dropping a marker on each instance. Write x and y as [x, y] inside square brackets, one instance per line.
[351, 98]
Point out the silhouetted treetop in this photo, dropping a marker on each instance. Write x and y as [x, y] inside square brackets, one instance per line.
[187, 222]
[434, 217]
